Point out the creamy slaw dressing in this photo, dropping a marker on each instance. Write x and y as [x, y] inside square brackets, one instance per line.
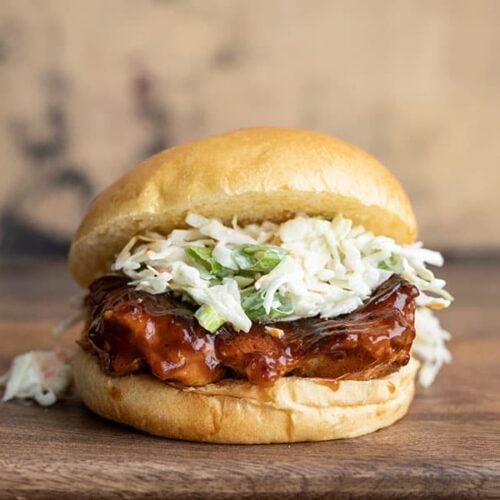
[330, 267]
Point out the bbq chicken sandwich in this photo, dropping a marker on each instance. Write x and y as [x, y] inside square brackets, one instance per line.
[256, 287]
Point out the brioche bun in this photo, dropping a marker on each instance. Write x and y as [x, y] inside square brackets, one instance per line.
[257, 174]
[233, 411]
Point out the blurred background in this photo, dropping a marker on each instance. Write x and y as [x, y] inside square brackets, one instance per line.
[89, 88]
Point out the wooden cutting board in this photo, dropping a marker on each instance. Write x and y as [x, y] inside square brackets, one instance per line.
[447, 446]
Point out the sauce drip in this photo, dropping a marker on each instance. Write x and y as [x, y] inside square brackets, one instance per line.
[330, 383]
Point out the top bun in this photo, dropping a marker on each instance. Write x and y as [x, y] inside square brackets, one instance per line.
[264, 173]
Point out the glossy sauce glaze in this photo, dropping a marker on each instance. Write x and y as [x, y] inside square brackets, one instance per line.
[370, 342]
[134, 331]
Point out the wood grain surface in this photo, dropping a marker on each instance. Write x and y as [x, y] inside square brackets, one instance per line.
[448, 446]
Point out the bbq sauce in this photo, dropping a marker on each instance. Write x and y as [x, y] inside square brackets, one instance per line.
[135, 331]
[370, 342]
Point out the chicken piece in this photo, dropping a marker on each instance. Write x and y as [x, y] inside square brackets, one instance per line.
[256, 355]
[132, 331]
[371, 342]
[135, 331]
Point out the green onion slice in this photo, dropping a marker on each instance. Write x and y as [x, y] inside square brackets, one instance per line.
[208, 318]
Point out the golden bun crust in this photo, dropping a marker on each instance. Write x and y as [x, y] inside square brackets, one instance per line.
[294, 409]
[257, 174]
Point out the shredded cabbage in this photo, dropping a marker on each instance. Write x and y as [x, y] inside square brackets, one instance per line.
[39, 375]
[319, 267]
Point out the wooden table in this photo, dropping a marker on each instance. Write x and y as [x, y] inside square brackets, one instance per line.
[448, 445]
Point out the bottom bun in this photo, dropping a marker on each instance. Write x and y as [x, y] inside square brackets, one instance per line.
[234, 411]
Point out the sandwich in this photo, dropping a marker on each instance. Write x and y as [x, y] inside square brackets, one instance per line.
[261, 286]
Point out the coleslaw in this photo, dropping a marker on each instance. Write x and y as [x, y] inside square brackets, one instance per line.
[40, 375]
[304, 267]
